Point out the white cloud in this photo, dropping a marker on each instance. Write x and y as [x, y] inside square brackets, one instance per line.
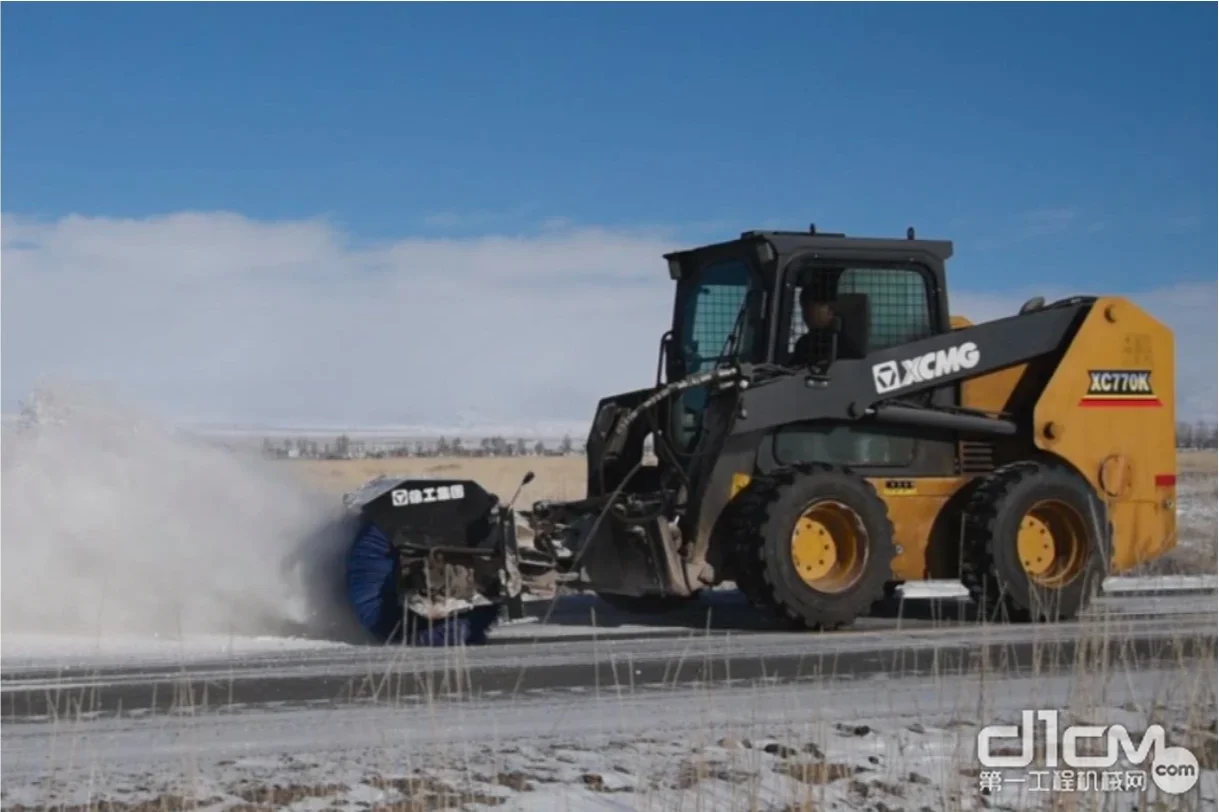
[212, 316]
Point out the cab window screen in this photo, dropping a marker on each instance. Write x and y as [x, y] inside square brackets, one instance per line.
[897, 303]
[711, 312]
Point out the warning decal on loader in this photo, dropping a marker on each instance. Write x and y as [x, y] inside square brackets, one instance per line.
[1120, 387]
[899, 487]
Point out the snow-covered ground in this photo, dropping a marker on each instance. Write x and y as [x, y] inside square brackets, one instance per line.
[1197, 526]
[18, 649]
[24, 650]
[884, 744]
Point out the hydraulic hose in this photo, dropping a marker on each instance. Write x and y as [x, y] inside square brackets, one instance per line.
[616, 438]
[618, 434]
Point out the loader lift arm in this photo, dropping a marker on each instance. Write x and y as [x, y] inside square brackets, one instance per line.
[854, 389]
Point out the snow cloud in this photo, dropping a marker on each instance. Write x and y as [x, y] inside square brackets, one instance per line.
[217, 317]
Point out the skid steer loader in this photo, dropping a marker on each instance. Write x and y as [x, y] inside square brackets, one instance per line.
[822, 429]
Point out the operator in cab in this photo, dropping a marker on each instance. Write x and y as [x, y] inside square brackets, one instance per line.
[816, 346]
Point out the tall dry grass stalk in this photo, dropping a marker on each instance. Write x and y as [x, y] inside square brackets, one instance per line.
[851, 745]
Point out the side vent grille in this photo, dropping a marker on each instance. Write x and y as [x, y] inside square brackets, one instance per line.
[977, 457]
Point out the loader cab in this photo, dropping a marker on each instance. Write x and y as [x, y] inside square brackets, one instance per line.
[741, 301]
[899, 284]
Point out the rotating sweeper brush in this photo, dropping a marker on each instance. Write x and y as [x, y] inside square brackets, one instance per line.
[827, 431]
[426, 564]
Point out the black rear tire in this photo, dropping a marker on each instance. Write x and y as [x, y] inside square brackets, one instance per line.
[768, 569]
[1031, 498]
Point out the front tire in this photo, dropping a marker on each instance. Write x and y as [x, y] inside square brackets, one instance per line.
[815, 545]
[1036, 543]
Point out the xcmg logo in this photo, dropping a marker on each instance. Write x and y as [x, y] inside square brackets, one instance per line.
[890, 377]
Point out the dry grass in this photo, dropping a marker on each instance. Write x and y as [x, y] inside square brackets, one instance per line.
[557, 477]
[1197, 462]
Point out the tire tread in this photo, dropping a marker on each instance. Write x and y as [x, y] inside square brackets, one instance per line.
[754, 527]
[981, 569]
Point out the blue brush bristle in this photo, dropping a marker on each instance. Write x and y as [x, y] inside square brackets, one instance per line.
[372, 591]
[372, 583]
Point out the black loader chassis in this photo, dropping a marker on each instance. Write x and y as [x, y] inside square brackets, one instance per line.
[733, 509]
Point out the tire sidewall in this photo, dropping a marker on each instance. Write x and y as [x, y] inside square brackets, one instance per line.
[1061, 486]
[791, 504]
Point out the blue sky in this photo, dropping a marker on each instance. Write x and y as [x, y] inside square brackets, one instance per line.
[1056, 144]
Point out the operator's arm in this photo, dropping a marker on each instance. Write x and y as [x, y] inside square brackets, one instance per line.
[802, 353]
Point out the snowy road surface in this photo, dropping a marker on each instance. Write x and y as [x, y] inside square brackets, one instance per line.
[566, 653]
[930, 604]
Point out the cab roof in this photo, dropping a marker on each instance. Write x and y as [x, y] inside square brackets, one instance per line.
[792, 242]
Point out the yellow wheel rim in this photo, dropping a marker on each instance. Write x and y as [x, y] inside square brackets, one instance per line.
[1052, 543]
[829, 547]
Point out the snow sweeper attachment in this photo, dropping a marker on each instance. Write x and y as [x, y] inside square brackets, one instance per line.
[427, 565]
[821, 430]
